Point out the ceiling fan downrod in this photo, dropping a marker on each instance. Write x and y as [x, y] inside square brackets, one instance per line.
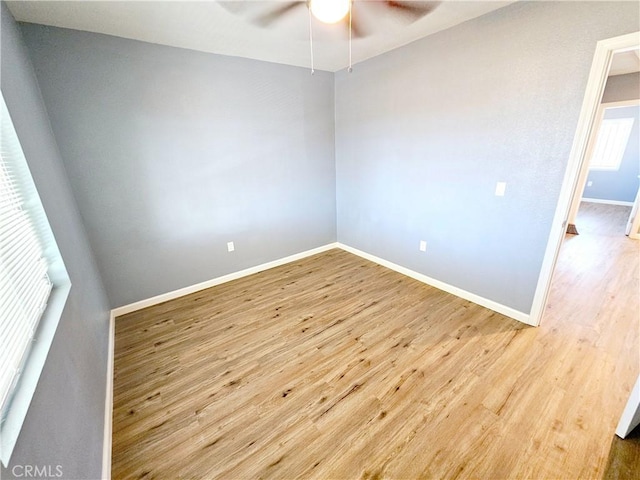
[350, 69]
[311, 40]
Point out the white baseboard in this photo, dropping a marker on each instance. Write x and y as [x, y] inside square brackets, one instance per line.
[132, 307]
[472, 297]
[490, 304]
[108, 409]
[108, 403]
[607, 202]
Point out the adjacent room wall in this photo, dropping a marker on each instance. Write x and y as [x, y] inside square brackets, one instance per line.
[424, 132]
[622, 87]
[619, 185]
[64, 425]
[173, 153]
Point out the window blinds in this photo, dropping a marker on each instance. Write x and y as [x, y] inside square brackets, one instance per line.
[24, 284]
[611, 143]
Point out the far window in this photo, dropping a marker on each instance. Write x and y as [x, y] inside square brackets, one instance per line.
[611, 143]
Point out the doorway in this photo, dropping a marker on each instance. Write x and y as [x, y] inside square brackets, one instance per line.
[617, 278]
[611, 174]
[577, 169]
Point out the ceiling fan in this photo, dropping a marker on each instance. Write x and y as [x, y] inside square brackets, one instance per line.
[336, 11]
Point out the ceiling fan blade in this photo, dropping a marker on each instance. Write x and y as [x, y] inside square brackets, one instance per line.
[413, 10]
[357, 31]
[266, 19]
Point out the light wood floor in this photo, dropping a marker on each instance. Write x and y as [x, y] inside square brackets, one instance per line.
[333, 367]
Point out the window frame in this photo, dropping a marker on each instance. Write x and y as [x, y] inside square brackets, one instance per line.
[15, 411]
[620, 147]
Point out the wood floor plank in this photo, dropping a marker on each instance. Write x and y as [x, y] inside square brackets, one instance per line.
[334, 367]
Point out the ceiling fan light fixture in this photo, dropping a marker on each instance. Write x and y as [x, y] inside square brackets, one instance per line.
[329, 11]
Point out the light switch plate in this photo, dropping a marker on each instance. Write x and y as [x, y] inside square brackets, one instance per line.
[500, 189]
[230, 247]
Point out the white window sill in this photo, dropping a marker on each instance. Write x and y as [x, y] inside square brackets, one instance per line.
[19, 405]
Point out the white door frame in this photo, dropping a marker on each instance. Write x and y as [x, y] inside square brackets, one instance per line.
[630, 418]
[584, 170]
[605, 49]
[633, 225]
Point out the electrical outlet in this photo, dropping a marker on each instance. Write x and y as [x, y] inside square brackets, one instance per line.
[500, 189]
[589, 183]
[423, 246]
[230, 247]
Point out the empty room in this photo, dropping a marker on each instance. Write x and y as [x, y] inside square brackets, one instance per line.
[324, 239]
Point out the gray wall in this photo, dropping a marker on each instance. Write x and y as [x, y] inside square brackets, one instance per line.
[622, 87]
[621, 184]
[64, 425]
[172, 153]
[423, 133]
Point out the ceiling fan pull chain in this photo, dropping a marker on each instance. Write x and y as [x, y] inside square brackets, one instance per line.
[350, 64]
[311, 41]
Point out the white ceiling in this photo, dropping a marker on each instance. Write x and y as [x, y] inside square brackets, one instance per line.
[209, 27]
[625, 62]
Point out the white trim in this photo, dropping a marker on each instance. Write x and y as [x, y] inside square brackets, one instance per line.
[116, 312]
[585, 168]
[472, 297]
[132, 307]
[458, 292]
[10, 428]
[634, 230]
[630, 417]
[107, 443]
[108, 402]
[621, 103]
[607, 202]
[583, 174]
[605, 50]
